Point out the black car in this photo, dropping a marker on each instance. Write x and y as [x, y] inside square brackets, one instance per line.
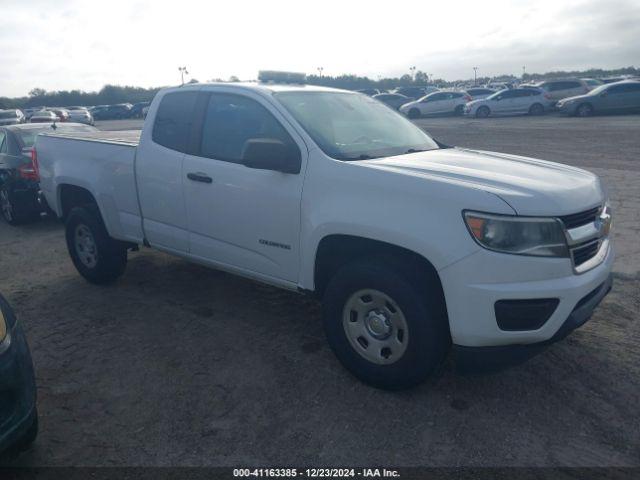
[413, 93]
[112, 112]
[19, 182]
[369, 91]
[18, 413]
[136, 110]
[393, 100]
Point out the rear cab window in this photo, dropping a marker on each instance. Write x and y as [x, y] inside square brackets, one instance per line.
[172, 124]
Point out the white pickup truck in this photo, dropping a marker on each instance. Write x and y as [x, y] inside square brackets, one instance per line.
[412, 246]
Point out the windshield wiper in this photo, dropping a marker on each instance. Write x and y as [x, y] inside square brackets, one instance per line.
[362, 156]
[414, 150]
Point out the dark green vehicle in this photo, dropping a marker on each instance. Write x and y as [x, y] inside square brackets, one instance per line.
[618, 97]
[18, 414]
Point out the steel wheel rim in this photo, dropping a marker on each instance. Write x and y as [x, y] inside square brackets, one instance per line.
[5, 205]
[375, 326]
[85, 246]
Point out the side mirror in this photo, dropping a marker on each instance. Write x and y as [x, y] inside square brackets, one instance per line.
[271, 154]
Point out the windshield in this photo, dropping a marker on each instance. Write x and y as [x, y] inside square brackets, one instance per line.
[8, 114]
[28, 136]
[349, 126]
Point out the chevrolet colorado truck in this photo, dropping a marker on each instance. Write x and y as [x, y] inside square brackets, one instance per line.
[413, 247]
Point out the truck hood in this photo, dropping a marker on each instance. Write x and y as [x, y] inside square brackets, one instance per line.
[528, 185]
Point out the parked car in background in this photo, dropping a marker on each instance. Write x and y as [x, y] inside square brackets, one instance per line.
[437, 103]
[477, 93]
[28, 112]
[559, 89]
[137, 108]
[515, 101]
[369, 91]
[113, 112]
[393, 100]
[592, 82]
[61, 113]
[11, 117]
[620, 97]
[81, 115]
[43, 116]
[145, 110]
[497, 86]
[18, 415]
[415, 93]
[19, 189]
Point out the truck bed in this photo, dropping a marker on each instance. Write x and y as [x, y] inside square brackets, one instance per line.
[120, 137]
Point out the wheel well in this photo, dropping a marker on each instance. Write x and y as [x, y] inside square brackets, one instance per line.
[72, 196]
[334, 251]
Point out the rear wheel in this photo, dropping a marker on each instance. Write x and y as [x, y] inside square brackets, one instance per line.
[536, 109]
[414, 113]
[10, 210]
[482, 112]
[584, 110]
[98, 258]
[384, 329]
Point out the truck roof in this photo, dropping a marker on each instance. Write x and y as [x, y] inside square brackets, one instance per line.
[259, 86]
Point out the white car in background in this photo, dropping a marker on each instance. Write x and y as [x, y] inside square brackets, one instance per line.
[476, 93]
[81, 115]
[510, 102]
[437, 103]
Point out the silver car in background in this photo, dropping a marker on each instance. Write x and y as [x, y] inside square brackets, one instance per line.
[43, 116]
[516, 101]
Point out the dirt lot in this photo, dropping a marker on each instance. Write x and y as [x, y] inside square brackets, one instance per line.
[179, 365]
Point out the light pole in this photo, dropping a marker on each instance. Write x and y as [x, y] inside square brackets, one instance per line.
[523, 71]
[183, 71]
[320, 69]
[413, 72]
[475, 76]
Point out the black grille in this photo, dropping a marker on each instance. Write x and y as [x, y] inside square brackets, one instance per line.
[579, 219]
[582, 254]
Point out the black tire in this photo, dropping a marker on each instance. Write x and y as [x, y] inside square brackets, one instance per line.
[414, 113]
[9, 210]
[109, 256]
[483, 112]
[459, 110]
[536, 109]
[584, 110]
[428, 338]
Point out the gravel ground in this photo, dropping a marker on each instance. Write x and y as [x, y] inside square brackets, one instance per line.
[179, 365]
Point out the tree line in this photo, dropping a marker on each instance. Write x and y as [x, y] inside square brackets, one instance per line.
[112, 94]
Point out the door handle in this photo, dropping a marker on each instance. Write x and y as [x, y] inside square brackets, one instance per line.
[199, 177]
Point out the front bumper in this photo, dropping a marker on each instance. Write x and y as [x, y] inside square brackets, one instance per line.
[474, 284]
[17, 385]
[478, 359]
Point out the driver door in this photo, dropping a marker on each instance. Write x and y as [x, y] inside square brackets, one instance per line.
[240, 217]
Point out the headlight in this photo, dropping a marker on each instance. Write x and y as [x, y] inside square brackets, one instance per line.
[537, 236]
[3, 327]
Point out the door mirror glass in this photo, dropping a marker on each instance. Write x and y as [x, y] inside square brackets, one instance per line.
[271, 154]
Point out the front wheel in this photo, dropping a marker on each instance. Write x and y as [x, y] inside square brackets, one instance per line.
[414, 113]
[98, 258]
[536, 109]
[459, 110]
[584, 110]
[482, 112]
[384, 329]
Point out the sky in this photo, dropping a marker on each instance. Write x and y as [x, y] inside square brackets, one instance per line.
[85, 44]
